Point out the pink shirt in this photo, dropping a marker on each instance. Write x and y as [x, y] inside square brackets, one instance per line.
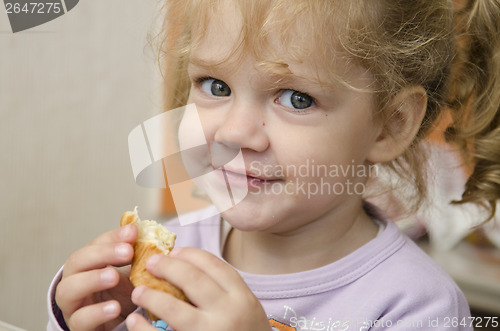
[388, 282]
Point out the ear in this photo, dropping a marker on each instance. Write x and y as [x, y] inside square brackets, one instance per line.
[407, 110]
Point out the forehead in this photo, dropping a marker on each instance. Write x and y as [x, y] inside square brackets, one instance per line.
[217, 36]
[278, 39]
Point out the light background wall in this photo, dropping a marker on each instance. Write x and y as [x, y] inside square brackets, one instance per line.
[70, 92]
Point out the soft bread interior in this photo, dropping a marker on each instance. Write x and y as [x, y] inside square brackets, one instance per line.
[150, 231]
[153, 238]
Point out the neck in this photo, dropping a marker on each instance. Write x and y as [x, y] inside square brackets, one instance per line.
[318, 243]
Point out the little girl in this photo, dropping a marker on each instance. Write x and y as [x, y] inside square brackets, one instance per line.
[333, 87]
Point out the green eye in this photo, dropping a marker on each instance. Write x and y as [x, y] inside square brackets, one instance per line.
[295, 99]
[215, 87]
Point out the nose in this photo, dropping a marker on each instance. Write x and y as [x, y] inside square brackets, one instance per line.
[244, 125]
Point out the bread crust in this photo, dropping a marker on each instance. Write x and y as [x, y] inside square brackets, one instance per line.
[128, 217]
[139, 275]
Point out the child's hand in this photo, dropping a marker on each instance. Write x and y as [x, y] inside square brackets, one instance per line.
[221, 299]
[93, 294]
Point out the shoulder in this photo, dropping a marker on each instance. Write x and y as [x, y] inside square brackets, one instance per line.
[406, 265]
[416, 271]
[416, 288]
[407, 283]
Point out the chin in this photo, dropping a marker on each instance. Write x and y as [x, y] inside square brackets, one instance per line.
[246, 218]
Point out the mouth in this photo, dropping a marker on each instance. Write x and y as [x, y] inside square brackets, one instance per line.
[244, 177]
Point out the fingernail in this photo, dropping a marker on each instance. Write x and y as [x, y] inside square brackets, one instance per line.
[175, 251]
[108, 276]
[110, 308]
[137, 292]
[126, 231]
[122, 250]
[152, 261]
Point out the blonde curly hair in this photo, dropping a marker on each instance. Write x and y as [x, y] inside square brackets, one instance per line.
[453, 54]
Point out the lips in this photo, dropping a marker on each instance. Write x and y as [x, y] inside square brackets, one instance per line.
[241, 176]
[252, 174]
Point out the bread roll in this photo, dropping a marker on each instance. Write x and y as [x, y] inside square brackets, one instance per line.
[153, 238]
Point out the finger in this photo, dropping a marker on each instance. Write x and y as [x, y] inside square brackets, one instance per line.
[136, 322]
[126, 233]
[72, 290]
[198, 286]
[92, 316]
[179, 314]
[226, 276]
[98, 256]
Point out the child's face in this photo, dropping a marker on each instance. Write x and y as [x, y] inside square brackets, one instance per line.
[288, 128]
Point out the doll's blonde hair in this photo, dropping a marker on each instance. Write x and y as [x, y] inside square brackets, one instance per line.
[453, 54]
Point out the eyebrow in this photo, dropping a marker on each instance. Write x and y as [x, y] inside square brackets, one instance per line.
[285, 77]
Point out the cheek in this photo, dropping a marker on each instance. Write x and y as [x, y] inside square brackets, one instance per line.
[210, 122]
[317, 156]
[204, 117]
[351, 141]
[318, 145]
